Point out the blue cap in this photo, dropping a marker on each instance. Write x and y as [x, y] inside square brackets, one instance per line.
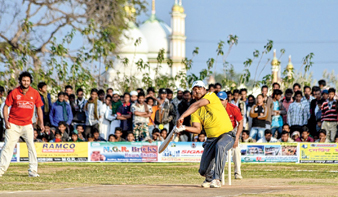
[325, 92]
[222, 95]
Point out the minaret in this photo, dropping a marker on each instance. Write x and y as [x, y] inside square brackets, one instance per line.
[274, 67]
[177, 38]
[289, 68]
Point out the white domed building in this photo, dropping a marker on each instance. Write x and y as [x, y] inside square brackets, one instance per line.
[145, 42]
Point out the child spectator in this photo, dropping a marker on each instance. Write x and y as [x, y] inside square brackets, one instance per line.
[164, 133]
[325, 94]
[97, 137]
[322, 137]
[151, 125]
[36, 134]
[118, 134]
[296, 136]
[62, 128]
[90, 138]
[44, 138]
[246, 138]
[201, 137]
[285, 137]
[329, 115]
[259, 114]
[268, 137]
[57, 137]
[130, 137]
[306, 135]
[112, 138]
[75, 137]
[319, 125]
[156, 136]
[80, 132]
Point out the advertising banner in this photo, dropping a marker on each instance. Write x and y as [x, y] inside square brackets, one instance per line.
[63, 151]
[318, 153]
[269, 152]
[182, 152]
[123, 151]
[16, 152]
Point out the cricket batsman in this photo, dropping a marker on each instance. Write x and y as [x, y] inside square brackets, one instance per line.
[237, 122]
[22, 101]
[209, 112]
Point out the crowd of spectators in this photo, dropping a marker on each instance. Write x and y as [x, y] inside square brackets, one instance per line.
[300, 114]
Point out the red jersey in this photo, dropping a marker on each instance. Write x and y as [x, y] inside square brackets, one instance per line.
[22, 109]
[234, 113]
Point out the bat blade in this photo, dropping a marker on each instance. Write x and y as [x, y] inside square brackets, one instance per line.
[166, 142]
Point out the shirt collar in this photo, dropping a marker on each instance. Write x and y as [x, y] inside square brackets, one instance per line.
[20, 90]
[125, 105]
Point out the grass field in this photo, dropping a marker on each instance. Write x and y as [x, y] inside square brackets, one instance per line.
[56, 176]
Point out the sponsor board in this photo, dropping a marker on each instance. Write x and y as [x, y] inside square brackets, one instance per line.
[63, 151]
[123, 152]
[16, 152]
[182, 152]
[318, 153]
[266, 152]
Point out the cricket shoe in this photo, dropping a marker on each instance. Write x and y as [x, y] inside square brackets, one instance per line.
[238, 176]
[206, 184]
[215, 184]
[33, 174]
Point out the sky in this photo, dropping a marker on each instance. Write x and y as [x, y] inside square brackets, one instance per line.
[299, 27]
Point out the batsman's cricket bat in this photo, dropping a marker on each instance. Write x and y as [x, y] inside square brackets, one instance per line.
[166, 142]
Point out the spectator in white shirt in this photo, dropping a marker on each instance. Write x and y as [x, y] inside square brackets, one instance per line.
[267, 137]
[93, 109]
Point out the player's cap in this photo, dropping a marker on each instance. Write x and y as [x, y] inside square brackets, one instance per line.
[198, 83]
[133, 93]
[325, 92]
[116, 92]
[222, 95]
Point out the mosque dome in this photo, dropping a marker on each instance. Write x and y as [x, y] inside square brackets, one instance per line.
[290, 65]
[133, 41]
[274, 61]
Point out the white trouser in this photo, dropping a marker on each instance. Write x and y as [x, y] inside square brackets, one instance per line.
[11, 138]
[236, 158]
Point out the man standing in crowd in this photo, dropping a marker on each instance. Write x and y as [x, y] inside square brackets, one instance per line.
[116, 104]
[93, 112]
[60, 111]
[307, 94]
[297, 116]
[329, 116]
[19, 122]
[102, 95]
[218, 88]
[124, 114]
[269, 104]
[170, 94]
[141, 114]
[80, 102]
[110, 91]
[278, 111]
[211, 88]
[287, 101]
[166, 112]
[240, 104]
[322, 85]
[182, 107]
[275, 86]
[69, 90]
[237, 123]
[177, 100]
[296, 87]
[314, 109]
[2, 100]
[244, 96]
[46, 99]
[208, 112]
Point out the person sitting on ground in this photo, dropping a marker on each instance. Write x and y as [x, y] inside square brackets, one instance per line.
[90, 138]
[80, 132]
[285, 137]
[286, 128]
[118, 134]
[296, 136]
[268, 137]
[164, 133]
[62, 128]
[44, 138]
[156, 136]
[322, 137]
[97, 137]
[130, 137]
[75, 137]
[36, 135]
[112, 138]
[246, 137]
[336, 139]
[306, 135]
[57, 137]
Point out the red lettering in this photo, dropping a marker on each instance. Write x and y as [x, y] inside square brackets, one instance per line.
[124, 149]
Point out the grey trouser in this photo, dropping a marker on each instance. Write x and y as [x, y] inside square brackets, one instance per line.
[214, 156]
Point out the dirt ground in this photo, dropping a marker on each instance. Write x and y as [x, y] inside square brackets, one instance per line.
[245, 187]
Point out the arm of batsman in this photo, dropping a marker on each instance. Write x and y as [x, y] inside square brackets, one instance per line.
[179, 129]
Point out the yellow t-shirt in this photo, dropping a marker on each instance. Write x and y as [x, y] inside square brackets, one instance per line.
[213, 117]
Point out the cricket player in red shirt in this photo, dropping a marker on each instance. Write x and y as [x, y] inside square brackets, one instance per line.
[22, 101]
[237, 122]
